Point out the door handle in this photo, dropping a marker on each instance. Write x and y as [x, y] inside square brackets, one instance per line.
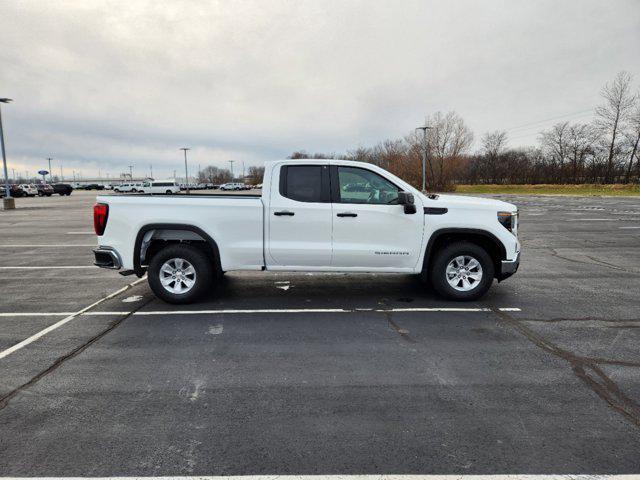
[284, 214]
[347, 214]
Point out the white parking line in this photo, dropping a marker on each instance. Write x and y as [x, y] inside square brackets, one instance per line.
[81, 233]
[67, 319]
[592, 220]
[47, 246]
[261, 310]
[628, 228]
[47, 268]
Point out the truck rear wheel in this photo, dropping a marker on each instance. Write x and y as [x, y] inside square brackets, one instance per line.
[180, 274]
[462, 271]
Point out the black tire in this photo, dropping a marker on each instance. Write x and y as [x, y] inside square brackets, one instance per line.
[134, 190]
[168, 192]
[203, 278]
[61, 194]
[438, 276]
[40, 194]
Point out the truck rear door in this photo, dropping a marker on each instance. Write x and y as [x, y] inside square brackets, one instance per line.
[299, 216]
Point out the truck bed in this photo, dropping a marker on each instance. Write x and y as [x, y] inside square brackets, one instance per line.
[235, 221]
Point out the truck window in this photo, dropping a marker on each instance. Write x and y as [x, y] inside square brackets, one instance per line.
[359, 185]
[303, 183]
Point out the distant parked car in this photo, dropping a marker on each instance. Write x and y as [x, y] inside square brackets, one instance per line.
[232, 186]
[62, 189]
[94, 186]
[29, 189]
[258, 186]
[128, 187]
[166, 186]
[44, 190]
[14, 190]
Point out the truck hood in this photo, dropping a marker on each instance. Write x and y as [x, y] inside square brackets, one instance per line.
[470, 203]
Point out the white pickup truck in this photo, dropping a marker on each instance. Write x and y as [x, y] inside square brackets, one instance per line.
[312, 216]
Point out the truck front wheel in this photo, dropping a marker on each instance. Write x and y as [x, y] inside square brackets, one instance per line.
[462, 271]
[180, 274]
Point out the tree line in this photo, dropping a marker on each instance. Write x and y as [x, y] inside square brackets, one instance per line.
[605, 150]
[218, 176]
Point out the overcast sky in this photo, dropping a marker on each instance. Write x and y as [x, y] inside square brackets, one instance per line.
[105, 85]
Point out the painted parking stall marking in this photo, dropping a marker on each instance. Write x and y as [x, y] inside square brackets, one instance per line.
[28, 267]
[262, 310]
[47, 246]
[65, 320]
[85, 312]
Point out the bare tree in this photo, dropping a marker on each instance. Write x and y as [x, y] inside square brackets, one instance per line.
[213, 174]
[612, 115]
[494, 143]
[448, 138]
[255, 175]
[555, 144]
[580, 143]
[493, 146]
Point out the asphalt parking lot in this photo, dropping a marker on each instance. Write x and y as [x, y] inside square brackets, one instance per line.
[322, 374]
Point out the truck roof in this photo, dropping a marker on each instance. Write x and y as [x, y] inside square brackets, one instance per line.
[319, 161]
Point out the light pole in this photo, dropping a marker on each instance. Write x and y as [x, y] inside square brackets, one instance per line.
[50, 179]
[424, 157]
[131, 172]
[8, 202]
[231, 163]
[186, 170]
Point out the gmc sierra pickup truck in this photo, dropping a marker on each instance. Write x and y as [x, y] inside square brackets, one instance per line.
[312, 216]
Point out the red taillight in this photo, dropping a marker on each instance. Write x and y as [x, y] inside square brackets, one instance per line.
[100, 216]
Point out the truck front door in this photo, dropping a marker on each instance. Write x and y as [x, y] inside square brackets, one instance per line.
[370, 229]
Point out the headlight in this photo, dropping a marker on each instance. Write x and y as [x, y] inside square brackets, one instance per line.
[509, 220]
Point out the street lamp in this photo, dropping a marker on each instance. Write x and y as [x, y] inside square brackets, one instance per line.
[186, 170]
[8, 202]
[424, 157]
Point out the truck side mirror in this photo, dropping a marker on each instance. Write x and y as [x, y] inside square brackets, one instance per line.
[406, 199]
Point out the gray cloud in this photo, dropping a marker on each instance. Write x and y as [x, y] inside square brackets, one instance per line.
[107, 84]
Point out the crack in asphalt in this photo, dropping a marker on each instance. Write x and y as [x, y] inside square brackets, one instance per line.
[595, 261]
[400, 331]
[4, 400]
[585, 368]
[580, 319]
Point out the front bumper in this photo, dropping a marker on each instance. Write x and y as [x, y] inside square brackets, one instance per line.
[107, 258]
[509, 267]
